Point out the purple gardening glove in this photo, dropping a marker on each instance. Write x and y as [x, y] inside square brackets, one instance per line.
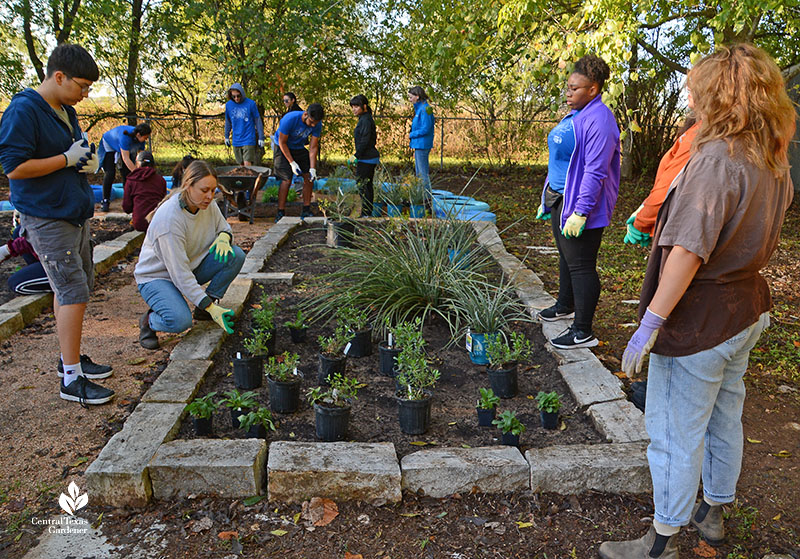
[641, 342]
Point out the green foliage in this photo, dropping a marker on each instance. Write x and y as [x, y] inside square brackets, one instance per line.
[235, 400]
[484, 308]
[204, 407]
[507, 422]
[352, 318]
[257, 343]
[264, 314]
[408, 334]
[414, 374]
[341, 391]
[548, 402]
[337, 206]
[488, 399]
[261, 416]
[282, 368]
[334, 344]
[298, 323]
[270, 195]
[500, 351]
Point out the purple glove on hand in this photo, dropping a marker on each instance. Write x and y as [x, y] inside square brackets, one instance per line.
[641, 342]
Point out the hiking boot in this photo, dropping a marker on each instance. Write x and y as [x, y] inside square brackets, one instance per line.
[572, 338]
[91, 370]
[147, 336]
[201, 314]
[649, 546]
[551, 314]
[86, 392]
[279, 215]
[708, 521]
[104, 205]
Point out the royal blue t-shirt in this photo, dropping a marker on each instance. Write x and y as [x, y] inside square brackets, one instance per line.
[293, 126]
[560, 144]
[116, 139]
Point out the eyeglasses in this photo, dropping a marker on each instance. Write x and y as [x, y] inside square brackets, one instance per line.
[570, 89]
[287, 101]
[84, 88]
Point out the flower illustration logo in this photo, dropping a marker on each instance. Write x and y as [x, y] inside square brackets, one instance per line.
[74, 501]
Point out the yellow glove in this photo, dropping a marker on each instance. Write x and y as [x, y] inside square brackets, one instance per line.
[574, 226]
[222, 316]
[221, 247]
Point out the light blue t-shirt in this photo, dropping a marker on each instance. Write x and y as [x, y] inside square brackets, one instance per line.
[297, 131]
[560, 144]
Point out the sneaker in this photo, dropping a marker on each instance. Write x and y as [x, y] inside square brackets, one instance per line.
[306, 213]
[147, 336]
[279, 215]
[201, 314]
[572, 338]
[91, 370]
[639, 398]
[86, 392]
[104, 206]
[551, 314]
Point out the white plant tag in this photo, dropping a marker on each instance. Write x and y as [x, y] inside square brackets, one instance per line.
[238, 355]
[294, 372]
[347, 348]
[390, 340]
[469, 341]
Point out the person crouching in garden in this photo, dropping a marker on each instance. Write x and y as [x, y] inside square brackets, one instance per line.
[144, 189]
[367, 156]
[704, 303]
[188, 243]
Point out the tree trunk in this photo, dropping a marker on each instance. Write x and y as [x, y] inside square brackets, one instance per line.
[29, 44]
[626, 168]
[133, 61]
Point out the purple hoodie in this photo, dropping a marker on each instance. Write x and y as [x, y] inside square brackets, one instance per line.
[592, 181]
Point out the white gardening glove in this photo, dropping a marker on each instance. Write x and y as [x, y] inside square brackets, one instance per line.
[227, 143]
[261, 143]
[296, 168]
[90, 164]
[5, 254]
[313, 172]
[78, 149]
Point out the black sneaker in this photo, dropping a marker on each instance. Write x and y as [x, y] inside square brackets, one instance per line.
[201, 314]
[639, 398]
[147, 336]
[306, 213]
[279, 215]
[91, 370]
[104, 205]
[572, 338]
[86, 392]
[551, 314]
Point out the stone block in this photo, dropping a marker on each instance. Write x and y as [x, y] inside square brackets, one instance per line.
[202, 342]
[286, 278]
[119, 476]
[342, 471]
[130, 241]
[104, 256]
[10, 324]
[619, 421]
[178, 383]
[29, 306]
[443, 471]
[237, 294]
[590, 382]
[230, 469]
[572, 469]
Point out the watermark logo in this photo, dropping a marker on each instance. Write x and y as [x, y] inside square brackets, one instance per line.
[74, 501]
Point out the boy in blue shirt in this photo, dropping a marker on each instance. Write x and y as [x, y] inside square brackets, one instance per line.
[46, 158]
[290, 156]
[243, 124]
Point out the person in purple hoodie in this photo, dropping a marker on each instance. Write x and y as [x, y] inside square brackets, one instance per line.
[243, 127]
[579, 196]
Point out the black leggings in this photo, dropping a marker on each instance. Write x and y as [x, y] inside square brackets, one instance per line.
[365, 172]
[110, 173]
[578, 281]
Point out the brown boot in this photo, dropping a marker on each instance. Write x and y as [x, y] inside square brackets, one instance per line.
[147, 336]
[708, 521]
[649, 546]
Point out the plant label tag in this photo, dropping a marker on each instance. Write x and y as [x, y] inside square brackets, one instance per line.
[390, 340]
[469, 341]
[238, 355]
[347, 348]
[294, 372]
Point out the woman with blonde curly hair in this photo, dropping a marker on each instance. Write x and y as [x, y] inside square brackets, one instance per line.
[704, 303]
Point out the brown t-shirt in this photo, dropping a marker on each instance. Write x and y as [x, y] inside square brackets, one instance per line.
[728, 212]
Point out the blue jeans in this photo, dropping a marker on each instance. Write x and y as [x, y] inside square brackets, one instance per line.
[694, 419]
[171, 313]
[422, 168]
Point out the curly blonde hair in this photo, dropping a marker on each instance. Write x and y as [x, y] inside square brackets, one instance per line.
[740, 96]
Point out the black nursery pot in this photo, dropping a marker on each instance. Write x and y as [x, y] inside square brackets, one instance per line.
[298, 335]
[509, 439]
[414, 415]
[485, 417]
[504, 381]
[247, 372]
[235, 413]
[549, 419]
[329, 366]
[341, 233]
[257, 431]
[361, 343]
[203, 425]
[331, 422]
[388, 359]
[284, 397]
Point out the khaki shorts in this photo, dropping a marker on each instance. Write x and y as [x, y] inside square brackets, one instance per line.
[247, 153]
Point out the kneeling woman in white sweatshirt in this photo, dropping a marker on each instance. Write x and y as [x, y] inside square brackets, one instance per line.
[188, 244]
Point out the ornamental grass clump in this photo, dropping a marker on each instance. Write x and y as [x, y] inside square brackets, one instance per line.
[483, 307]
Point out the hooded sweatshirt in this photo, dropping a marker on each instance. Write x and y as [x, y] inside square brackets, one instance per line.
[243, 120]
[31, 129]
[144, 189]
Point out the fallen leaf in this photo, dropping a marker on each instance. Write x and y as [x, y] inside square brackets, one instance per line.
[796, 343]
[441, 514]
[754, 441]
[465, 445]
[776, 517]
[452, 423]
[524, 524]
[250, 501]
[137, 361]
[409, 514]
[418, 443]
[562, 427]
[320, 511]
[348, 555]
[204, 523]
[530, 397]
[296, 518]
[620, 374]
[79, 461]
[229, 535]
[279, 532]
[704, 550]
[783, 454]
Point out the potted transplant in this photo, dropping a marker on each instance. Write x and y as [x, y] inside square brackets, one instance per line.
[202, 412]
[356, 322]
[283, 379]
[297, 328]
[256, 423]
[548, 403]
[504, 356]
[403, 334]
[332, 358]
[239, 403]
[332, 407]
[416, 196]
[394, 196]
[247, 368]
[379, 202]
[415, 379]
[510, 426]
[337, 210]
[486, 407]
[263, 318]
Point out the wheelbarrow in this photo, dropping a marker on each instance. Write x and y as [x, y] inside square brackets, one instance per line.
[235, 186]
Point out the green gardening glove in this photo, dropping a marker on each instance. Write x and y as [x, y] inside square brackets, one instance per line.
[221, 247]
[222, 316]
[540, 213]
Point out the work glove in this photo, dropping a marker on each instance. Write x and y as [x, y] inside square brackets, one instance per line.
[261, 143]
[296, 168]
[541, 214]
[574, 226]
[352, 161]
[89, 164]
[221, 247]
[636, 237]
[227, 143]
[222, 316]
[641, 342]
[313, 172]
[78, 149]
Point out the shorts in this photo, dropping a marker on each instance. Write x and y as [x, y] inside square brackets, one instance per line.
[281, 167]
[247, 153]
[65, 251]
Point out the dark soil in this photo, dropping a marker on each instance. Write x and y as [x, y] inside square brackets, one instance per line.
[374, 413]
